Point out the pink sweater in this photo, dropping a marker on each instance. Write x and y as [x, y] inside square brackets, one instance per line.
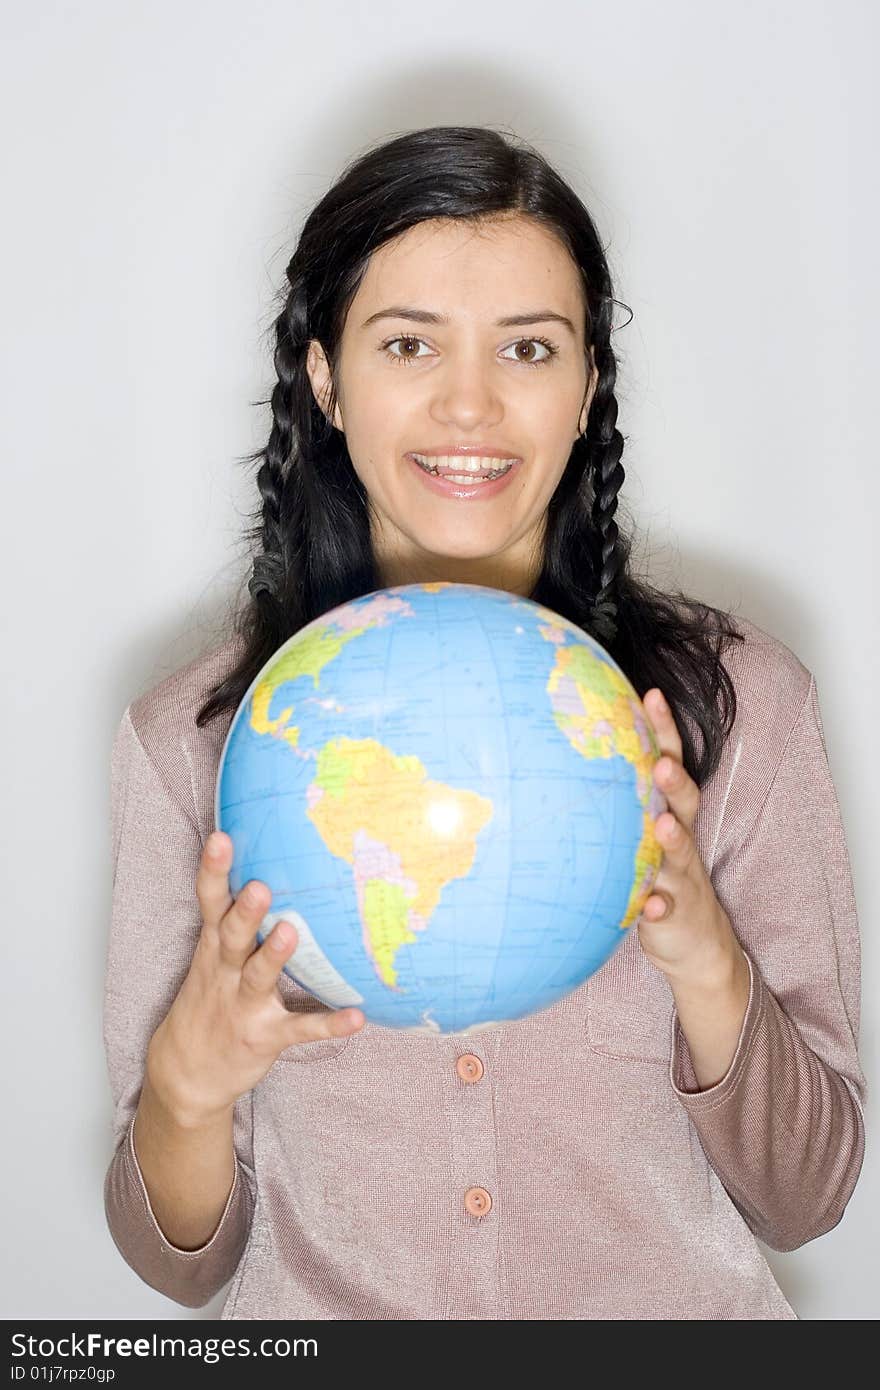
[562, 1166]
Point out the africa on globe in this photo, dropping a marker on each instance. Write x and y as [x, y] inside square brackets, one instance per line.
[449, 791]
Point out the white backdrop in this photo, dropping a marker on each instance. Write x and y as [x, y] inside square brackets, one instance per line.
[158, 159]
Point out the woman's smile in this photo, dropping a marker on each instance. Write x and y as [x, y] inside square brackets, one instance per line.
[460, 485]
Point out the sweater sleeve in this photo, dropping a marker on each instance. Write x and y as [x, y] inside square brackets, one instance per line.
[155, 924]
[784, 1128]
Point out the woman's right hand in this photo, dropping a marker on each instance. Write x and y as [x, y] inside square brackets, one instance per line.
[228, 1023]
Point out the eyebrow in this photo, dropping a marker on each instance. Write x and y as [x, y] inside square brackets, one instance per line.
[520, 319]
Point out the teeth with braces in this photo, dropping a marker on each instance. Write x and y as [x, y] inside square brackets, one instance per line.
[469, 466]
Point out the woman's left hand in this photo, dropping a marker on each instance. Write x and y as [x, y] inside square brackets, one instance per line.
[683, 929]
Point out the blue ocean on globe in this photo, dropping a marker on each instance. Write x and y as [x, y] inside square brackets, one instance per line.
[449, 791]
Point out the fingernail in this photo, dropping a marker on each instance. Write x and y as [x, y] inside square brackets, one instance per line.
[214, 845]
[660, 704]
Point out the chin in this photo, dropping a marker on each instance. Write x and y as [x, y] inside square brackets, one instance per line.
[456, 550]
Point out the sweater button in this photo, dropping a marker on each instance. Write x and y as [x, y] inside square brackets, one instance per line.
[469, 1067]
[477, 1201]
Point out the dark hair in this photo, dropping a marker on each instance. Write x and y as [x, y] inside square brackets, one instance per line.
[313, 531]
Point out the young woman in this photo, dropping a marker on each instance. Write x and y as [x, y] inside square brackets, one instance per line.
[450, 293]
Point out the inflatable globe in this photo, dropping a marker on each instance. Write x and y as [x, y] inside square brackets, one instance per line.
[448, 790]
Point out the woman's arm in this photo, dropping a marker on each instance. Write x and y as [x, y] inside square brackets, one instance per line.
[188, 1170]
[783, 1128]
[189, 1244]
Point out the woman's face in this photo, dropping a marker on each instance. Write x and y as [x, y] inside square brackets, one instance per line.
[410, 383]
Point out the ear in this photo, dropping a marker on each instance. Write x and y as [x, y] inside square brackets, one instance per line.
[594, 382]
[318, 369]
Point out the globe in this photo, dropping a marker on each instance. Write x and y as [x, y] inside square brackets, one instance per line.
[448, 790]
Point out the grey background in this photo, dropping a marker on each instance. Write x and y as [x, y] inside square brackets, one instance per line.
[157, 160]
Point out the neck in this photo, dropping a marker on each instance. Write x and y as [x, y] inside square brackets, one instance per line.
[444, 570]
[515, 572]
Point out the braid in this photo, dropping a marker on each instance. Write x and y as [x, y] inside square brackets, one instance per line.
[608, 474]
[270, 567]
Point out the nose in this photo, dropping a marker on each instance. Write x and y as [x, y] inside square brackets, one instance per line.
[466, 392]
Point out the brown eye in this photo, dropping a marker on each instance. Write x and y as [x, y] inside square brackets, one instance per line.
[402, 358]
[530, 345]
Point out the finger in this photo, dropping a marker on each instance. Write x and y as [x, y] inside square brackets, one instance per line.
[676, 841]
[322, 1023]
[260, 976]
[238, 930]
[681, 791]
[664, 724]
[657, 906]
[260, 971]
[212, 880]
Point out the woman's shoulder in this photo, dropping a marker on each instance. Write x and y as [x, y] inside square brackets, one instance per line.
[772, 686]
[770, 679]
[165, 715]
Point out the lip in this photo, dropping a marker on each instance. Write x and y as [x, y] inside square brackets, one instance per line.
[465, 492]
[478, 451]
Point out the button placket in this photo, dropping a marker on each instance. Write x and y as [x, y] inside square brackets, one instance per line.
[474, 1275]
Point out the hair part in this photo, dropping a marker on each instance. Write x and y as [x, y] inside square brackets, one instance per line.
[311, 536]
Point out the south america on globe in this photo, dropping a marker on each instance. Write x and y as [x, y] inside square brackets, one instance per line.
[448, 790]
